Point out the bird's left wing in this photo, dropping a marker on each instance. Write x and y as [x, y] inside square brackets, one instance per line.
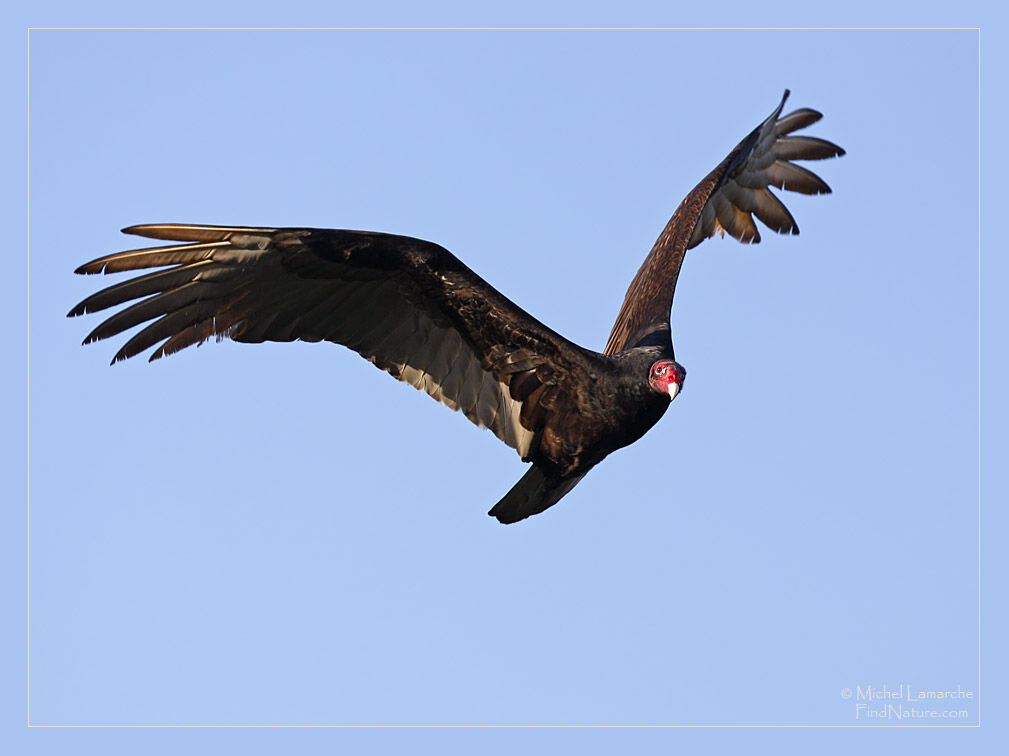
[407, 305]
[724, 203]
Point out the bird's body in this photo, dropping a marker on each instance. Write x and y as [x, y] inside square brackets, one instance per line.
[416, 311]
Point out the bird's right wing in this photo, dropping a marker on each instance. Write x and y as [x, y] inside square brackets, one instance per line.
[407, 305]
[724, 202]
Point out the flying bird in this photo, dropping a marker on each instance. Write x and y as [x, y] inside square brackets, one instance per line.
[416, 311]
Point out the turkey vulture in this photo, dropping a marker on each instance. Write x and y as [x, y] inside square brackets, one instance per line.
[416, 311]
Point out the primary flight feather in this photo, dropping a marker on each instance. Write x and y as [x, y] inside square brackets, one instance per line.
[416, 311]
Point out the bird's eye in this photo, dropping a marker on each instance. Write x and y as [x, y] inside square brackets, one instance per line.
[663, 370]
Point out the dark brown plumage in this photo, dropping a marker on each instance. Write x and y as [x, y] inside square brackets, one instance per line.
[414, 310]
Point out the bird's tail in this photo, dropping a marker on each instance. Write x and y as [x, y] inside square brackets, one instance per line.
[535, 491]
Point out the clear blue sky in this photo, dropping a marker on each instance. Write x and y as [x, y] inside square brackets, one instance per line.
[281, 534]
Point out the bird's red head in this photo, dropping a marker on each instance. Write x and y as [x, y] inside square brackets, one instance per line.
[666, 377]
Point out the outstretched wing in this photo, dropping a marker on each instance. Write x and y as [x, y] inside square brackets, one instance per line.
[724, 202]
[407, 305]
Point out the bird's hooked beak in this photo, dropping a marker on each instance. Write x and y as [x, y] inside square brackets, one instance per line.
[673, 389]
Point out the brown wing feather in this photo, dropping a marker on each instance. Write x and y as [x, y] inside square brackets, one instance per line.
[408, 306]
[724, 202]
